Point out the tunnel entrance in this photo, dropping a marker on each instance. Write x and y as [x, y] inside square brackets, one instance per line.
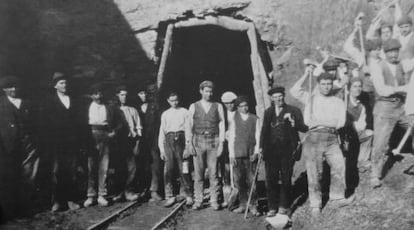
[217, 48]
[208, 53]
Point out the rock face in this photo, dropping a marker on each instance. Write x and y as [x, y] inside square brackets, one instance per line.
[120, 40]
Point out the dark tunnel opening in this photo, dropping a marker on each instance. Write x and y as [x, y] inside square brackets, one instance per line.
[208, 53]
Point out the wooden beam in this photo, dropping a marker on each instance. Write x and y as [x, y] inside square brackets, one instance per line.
[164, 55]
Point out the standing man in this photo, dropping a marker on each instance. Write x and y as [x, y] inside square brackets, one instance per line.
[278, 142]
[128, 144]
[174, 135]
[406, 37]
[324, 115]
[244, 138]
[18, 155]
[150, 118]
[208, 127]
[105, 123]
[390, 84]
[63, 119]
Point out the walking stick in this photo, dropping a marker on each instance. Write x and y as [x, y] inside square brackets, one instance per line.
[397, 151]
[361, 37]
[253, 185]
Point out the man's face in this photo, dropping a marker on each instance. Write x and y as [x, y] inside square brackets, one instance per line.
[206, 93]
[173, 101]
[386, 33]
[61, 86]
[356, 89]
[278, 99]
[243, 107]
[97, 97]
[122, 96]
[392, 56]
[143, 96]
[229, 106]
[325, 86]
[12, 92]
[375, 53]
[405, 29]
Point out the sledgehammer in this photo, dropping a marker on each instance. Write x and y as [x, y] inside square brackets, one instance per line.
[397, 151]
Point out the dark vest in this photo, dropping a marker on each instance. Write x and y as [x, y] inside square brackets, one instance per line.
[206, 123]
[245, 138]
[389, 79]
[278, 129]
[354, 112]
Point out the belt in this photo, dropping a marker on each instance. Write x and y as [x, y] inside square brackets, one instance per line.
[207, 133]
[175, 133]
[323, 129]
[390, 99]
[100, 127]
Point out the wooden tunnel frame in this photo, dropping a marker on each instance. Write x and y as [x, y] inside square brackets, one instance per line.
[260, 79]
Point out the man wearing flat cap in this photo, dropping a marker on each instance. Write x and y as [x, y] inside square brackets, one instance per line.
[18, 150]
[278, 141]
[406, 37]
[63, 121]
[324, 114]
[208, 130]
[390, 82]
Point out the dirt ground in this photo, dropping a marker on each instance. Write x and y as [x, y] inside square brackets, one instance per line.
[389, 207]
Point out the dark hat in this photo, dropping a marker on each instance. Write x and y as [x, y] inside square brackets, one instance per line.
[405, 19]
[95, 88]
[330, 64]
[240, 100]
[373, 44]
[276, 89]
[9, 82]
[152, 88]
[120, 88]
[57, 76]
[387, 25]
[325, 76]
[391, 44]
[141, 88]
[208, 84]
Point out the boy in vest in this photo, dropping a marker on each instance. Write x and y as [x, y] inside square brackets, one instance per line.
[279, 140]
[389, 80]
[173, 137]
[243, 137]
[324, 114]
[208, 130]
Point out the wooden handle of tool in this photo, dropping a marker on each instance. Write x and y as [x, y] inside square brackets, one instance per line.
[253, 185]
[397, 151]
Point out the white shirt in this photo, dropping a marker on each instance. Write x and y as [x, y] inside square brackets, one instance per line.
[97, 114]
[15, 101]
[133, 120]
[404, 40]
[173, 120]
[65, 100]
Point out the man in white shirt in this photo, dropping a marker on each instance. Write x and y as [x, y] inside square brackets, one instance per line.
[406, 37]
[208, 128]
[324, 114]
[174, 135]
[128, 141]
[390, 84]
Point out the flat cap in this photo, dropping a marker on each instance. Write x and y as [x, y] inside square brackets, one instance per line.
[228, 97]
[120, 88]
[9, 82]
[404, 19]
[240, 100]
[391, 44]
[152, 88]
[330, 64]
[325, 76]
[276, 89]
[373, 44]
[57, 76]
[95, 88]
[208, 84]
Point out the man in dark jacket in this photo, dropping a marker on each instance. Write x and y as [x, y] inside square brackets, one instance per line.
[62, 118]
[18, 155]
[279, 140]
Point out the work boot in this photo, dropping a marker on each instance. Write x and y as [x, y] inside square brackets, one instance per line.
[375, 183]
[315, 213]
[197, 206]
[344, 201]
[55, 207]
[271, 213]
[155, 197]
[189, 201]
[224, 204]
[102, 201]
[73, 206]
[253, 211]
[118, 198]
[215, 206]
[170, 202]
[89, 202]
[240, 209]
[129, 196]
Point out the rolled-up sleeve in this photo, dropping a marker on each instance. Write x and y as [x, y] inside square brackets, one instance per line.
[378, 81]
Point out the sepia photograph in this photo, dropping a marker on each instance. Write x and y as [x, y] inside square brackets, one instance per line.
[206, 114]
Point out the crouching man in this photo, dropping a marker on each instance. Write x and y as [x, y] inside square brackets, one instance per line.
[244, 133]
[173, 137]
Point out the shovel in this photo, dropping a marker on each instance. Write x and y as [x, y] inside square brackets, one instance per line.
[253, 185]
[234, 194]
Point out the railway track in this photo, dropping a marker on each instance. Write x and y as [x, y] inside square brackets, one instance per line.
[113, 217]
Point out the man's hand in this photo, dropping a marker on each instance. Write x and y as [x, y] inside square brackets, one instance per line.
[220, 149]
[233, 162]
[111, 134]
[411, 120]
[139, 132]
[254, 157]
[163, 156]
[289, 117]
